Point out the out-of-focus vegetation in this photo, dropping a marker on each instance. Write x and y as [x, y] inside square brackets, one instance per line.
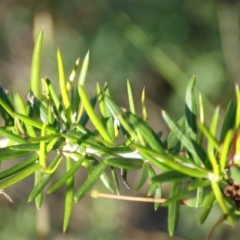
[157, 44]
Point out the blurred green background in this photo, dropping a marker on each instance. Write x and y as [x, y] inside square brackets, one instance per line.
[158, 44]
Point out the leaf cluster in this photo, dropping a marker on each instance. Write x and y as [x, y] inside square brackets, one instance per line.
[199, 176]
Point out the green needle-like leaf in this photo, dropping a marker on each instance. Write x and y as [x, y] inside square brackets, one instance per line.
[143, 177]
[84, 69]
[225, 150]
[11, 136]
[66, 176]
[7, 153]
[173, 209]
[192, 146]
[7, 117]
[20, 176]
[92, 115]
[63, 85]
[18, 168]
[229, 120]
[43, 181]
[146, 132]
[36, 65]
[191, 109]
[207, 206]
[237, 122]
[69, 197]
[93, 178]
[125, 163]
[144, 109]
[39, 198]
[130, 98]
[115, 180]
[170, 176]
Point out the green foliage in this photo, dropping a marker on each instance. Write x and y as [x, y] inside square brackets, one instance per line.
[49, 123]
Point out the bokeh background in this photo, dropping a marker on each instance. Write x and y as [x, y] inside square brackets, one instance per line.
[158, 44]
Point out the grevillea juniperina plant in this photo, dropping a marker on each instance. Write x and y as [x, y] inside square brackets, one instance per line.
[56, 123]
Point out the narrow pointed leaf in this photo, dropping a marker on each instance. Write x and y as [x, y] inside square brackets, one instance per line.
[43, 181]
[36, 65]
[173, 209]
[195, 149]
[229, 120]
[20, 176]
[207, 206]
[18, 168]
[130, 98]
[84, 69]
[66, 176]
[39, 197]
[146, 132]
[125, 163]
[143, 177]
[170, 176]
[11, 136]
[92, 115]
[69, 197]
[191, 109]
[115, 180]
[93, 178]
[62, 84]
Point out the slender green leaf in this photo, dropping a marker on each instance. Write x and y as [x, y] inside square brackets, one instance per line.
[84, 69]
[130, 98]
[146, 132]
[170, 176]
[36, 65]
[66, 176]
[20, 176]
[18, 168]
[191, 109]
[199, 197]
[11, 136]
[5, 99]
[221, 201]
[225, 150]
[93, 178]
[117, 114]
[192, 146]
[92, 115]
[115, 180]
[39, 197]
[39, 108]
[144, 110]
[63, 85]
[211, 145]
[43, 180]
[35, 123]
[207, 206]
[157, 195]
[173, 209]
[172, 139]
[229, 120]
[198, 183]
[125, 163]
[237, 121]
[7, 153]
[143, 177]
[206, 131]
[69, 197]
[167, 163]
[72, 75]
[21, 109]
[93, 163]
